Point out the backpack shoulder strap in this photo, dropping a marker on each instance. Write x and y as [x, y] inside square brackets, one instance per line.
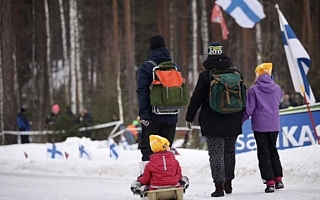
[154, 64]
[210, 74]
[166, 65]
[222, 71]
[237, 71]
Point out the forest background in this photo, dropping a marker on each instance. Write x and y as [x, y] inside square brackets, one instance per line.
[70, 51]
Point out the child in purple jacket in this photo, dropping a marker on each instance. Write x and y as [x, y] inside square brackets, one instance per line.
[262, 104]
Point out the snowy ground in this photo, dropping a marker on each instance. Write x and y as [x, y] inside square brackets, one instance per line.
[40, 177]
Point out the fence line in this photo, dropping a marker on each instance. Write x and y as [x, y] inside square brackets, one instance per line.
[113, 133]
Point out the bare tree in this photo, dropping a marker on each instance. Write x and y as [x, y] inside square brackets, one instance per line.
[48, 50]
[33, 33]
[171, 29]
[204, 28]
[160, 7]
[314, 33]
[7, 50]
[116, 53]
[194, 43]
[66, 65]
[77, 58]
[73, 7]
[1, 82]
[130, 64]
[259, 43]
[183, 38]
[33, 60]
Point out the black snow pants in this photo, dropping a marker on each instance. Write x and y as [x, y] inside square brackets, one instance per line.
[268, 157]
[164, 130]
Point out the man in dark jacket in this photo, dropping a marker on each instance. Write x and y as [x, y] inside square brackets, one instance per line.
[221, 131]
[23, 125]
[86, 119]
[162, 125]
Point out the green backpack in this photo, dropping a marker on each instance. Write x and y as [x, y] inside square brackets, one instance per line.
[168, 90]
[227, 91]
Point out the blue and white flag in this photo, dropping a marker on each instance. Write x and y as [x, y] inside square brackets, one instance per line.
[114, 149]
[246, 12]
[84, 153]
[297, 58]
[54, 152]
[125, 143]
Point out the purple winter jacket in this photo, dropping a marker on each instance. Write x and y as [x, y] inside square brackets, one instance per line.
[262, 104]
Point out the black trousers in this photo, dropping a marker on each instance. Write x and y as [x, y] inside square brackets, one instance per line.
[25, 139]
[268, 157]
[164, 130]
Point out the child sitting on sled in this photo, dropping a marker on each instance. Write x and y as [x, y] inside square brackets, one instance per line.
[162, 171]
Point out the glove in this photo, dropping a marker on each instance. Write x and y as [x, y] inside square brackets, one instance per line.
[139, 176]
[135, 187]
[189, 124]
[185, 179]
[143, 189]
[184, 182]
[145, 122]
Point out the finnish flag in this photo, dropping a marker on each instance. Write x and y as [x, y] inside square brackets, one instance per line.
[114, 149]
[125, 143]
[246, 12]
[84, 153]
[298, 59]
[54, 152]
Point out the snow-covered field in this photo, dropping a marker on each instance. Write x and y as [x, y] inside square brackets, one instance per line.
[37, 176]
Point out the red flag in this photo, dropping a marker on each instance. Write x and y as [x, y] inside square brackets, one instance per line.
[217, 17]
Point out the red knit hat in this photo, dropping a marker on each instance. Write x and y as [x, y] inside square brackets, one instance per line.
[55, 108]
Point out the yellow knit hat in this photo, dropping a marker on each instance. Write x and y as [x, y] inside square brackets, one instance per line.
[158, 143]
[264, 68]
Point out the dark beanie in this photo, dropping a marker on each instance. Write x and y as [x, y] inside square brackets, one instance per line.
[215, 49]
[156, 42]
[22, 110]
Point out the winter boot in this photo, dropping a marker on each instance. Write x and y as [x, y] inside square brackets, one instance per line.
[270, 186]
[227, 187]
[219, 190]
[279, 184]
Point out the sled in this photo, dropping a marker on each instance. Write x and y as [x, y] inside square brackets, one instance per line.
[165, 194]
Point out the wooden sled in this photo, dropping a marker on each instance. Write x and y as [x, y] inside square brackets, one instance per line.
[165, 194]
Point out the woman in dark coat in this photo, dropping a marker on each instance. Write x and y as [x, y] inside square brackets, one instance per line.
[221, 131]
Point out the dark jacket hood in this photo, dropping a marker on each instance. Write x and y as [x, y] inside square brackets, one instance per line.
[218, 62]
[160, 55]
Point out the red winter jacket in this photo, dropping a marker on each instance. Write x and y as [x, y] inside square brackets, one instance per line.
[162, 170]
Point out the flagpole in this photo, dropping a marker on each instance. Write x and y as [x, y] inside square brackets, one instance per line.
[311, 118]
